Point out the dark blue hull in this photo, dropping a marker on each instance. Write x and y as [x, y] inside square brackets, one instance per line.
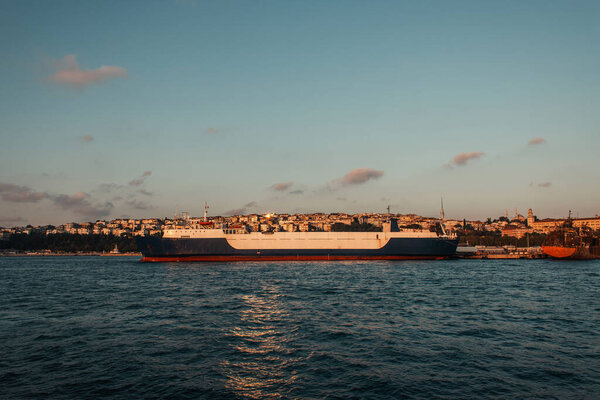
[218, 249]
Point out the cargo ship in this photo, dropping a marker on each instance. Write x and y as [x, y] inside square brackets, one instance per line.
[570, 243]
[205, 241]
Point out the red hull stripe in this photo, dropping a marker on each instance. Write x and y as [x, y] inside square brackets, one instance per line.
[284, 258]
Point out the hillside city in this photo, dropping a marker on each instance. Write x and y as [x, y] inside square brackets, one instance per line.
[518, 226]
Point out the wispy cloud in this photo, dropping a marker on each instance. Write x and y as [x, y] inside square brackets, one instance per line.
[280, 187]
[297, 191]
[138, 205]
[537, 140]
[360, 175]
[212, 130]
[86, 138]
[70, 74]
[145, 192]
[545, 184]
[463, 158]
[20, 194]
[241, 211]
[11, 220]
[80, 203]
[357, 176]
[108, 187]
[140, 179]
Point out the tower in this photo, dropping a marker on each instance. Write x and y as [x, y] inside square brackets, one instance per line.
[530, 218]
[442, 208]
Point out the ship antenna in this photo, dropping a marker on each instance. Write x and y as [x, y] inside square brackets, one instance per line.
[205, 211]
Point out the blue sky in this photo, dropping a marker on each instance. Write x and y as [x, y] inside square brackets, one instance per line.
[138, 108]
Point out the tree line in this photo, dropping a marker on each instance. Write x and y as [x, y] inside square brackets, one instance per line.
[66, 242]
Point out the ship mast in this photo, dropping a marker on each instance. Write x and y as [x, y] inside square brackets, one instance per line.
[205, 211]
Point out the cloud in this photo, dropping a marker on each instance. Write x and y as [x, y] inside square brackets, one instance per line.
[357, 176]
[20, 194]
[11, 220]
[67, 201]
[145, 192]
[360, 175]
[280, 187]
[108, 187]
[80, 203]
[545, 184]
[138, 205]
[102, 210]
[463, 158]
[241, 211]
[86, 138]
[140, 179]
[537, 140]
[215, 130]
[70, 74]
[297, 192]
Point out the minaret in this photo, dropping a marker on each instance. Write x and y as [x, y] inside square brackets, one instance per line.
[442, 216]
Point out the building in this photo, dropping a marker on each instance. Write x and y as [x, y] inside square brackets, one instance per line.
[593, 223]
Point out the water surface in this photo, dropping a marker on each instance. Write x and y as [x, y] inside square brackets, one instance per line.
[90, 327]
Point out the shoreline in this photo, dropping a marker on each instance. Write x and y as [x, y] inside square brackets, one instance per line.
[82, 254]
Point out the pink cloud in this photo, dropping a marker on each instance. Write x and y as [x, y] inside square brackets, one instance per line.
[463, 158]
[357, 176]
[545, 184]
[11, 219]
[141, 179]
[138, 205]
[20, 194]
[67, 201]
[280, 187]
[70, 74]
[87, 138]
[537, 140]
[360, 175]
[80, 203]
[241, 211]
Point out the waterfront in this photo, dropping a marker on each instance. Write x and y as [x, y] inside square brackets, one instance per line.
[89, 327]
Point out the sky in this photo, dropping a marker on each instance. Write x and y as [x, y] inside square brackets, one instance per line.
[146, 108]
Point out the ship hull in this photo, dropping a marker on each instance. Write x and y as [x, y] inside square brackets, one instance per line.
[158, 249]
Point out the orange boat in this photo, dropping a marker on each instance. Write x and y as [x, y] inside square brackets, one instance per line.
[572, 253]
[569, 243]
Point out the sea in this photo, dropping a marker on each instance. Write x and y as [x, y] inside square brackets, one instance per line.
[113, 327]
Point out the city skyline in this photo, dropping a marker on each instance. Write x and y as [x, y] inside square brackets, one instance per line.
[140, 109]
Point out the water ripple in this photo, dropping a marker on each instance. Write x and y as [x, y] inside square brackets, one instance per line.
[113, 327]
